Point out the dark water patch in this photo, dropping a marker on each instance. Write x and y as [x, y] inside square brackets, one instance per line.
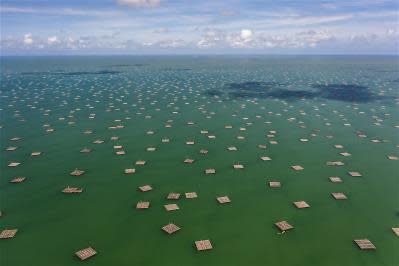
[255, 86]
[291, 94]
[75, 73]
[78, 73]
[213, 92]
[248, 94]
[176, 69]
[126, 65]
[36, 73]
[336, 91]
[346, 92]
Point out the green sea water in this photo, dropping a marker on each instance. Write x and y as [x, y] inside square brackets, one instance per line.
[327, 100]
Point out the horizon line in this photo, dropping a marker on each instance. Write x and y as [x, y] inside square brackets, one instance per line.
[210, 54]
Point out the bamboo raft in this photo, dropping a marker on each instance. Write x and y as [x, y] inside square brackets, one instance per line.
[86, 253]
[365, 244]
[171, 207]
[284, 226]
[170, 228]
[202, 245]
[223, 199]
[72, 190]
[8, 233]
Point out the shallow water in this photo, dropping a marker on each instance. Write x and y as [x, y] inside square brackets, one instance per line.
[327, 100]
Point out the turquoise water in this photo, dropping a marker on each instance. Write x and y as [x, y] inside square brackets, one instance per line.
[327, 100]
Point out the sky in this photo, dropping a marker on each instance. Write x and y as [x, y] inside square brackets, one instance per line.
[41, 27]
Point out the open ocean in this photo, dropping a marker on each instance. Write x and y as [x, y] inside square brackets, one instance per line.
[292, 109]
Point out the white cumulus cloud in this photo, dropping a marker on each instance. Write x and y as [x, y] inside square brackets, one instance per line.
[246, 34]
[28, 39]
[52, 40]
[139, 3]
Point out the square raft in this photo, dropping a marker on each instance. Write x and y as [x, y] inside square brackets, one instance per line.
[130, 171]
[145, 188]
[10, 233]
[143, 205]
[86, 253]
[265, 158]
[224, 199]
[171, 207]
[210, 171]
[173, 196]
[274, 184]
[18, 180]
[365, 244]
[191, 195]
[188, 160]
[335, 179]
[355, 174]
[203, 245]
[297, 167]
[301, 204]
[284, 226]
[339, 196]
[171, 228]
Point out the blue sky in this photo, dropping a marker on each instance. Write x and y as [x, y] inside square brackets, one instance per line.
[199, 27]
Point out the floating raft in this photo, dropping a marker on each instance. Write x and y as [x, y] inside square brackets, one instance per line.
[188, 161]
[238, 166]
[143, 205]
[284, 226]
[203, 245]
[13, 164]
[365, 244]
[86, 253]
[223, 199]
[301, 204]
[335, 163]
[355, 174]
[18, 180]
[171, 228]
[339, 196]
[85, 150]
[171, 207]
[8, 233]
[145, 188]
[70, 190]
[297, 167]
[335, 179]
[173, 196]
[191, 195]
[210, 171]
[265, 158]
[130, 171]
[77, 172]
[274, 184]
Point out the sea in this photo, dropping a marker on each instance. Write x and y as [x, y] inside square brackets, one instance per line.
[330, 115]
